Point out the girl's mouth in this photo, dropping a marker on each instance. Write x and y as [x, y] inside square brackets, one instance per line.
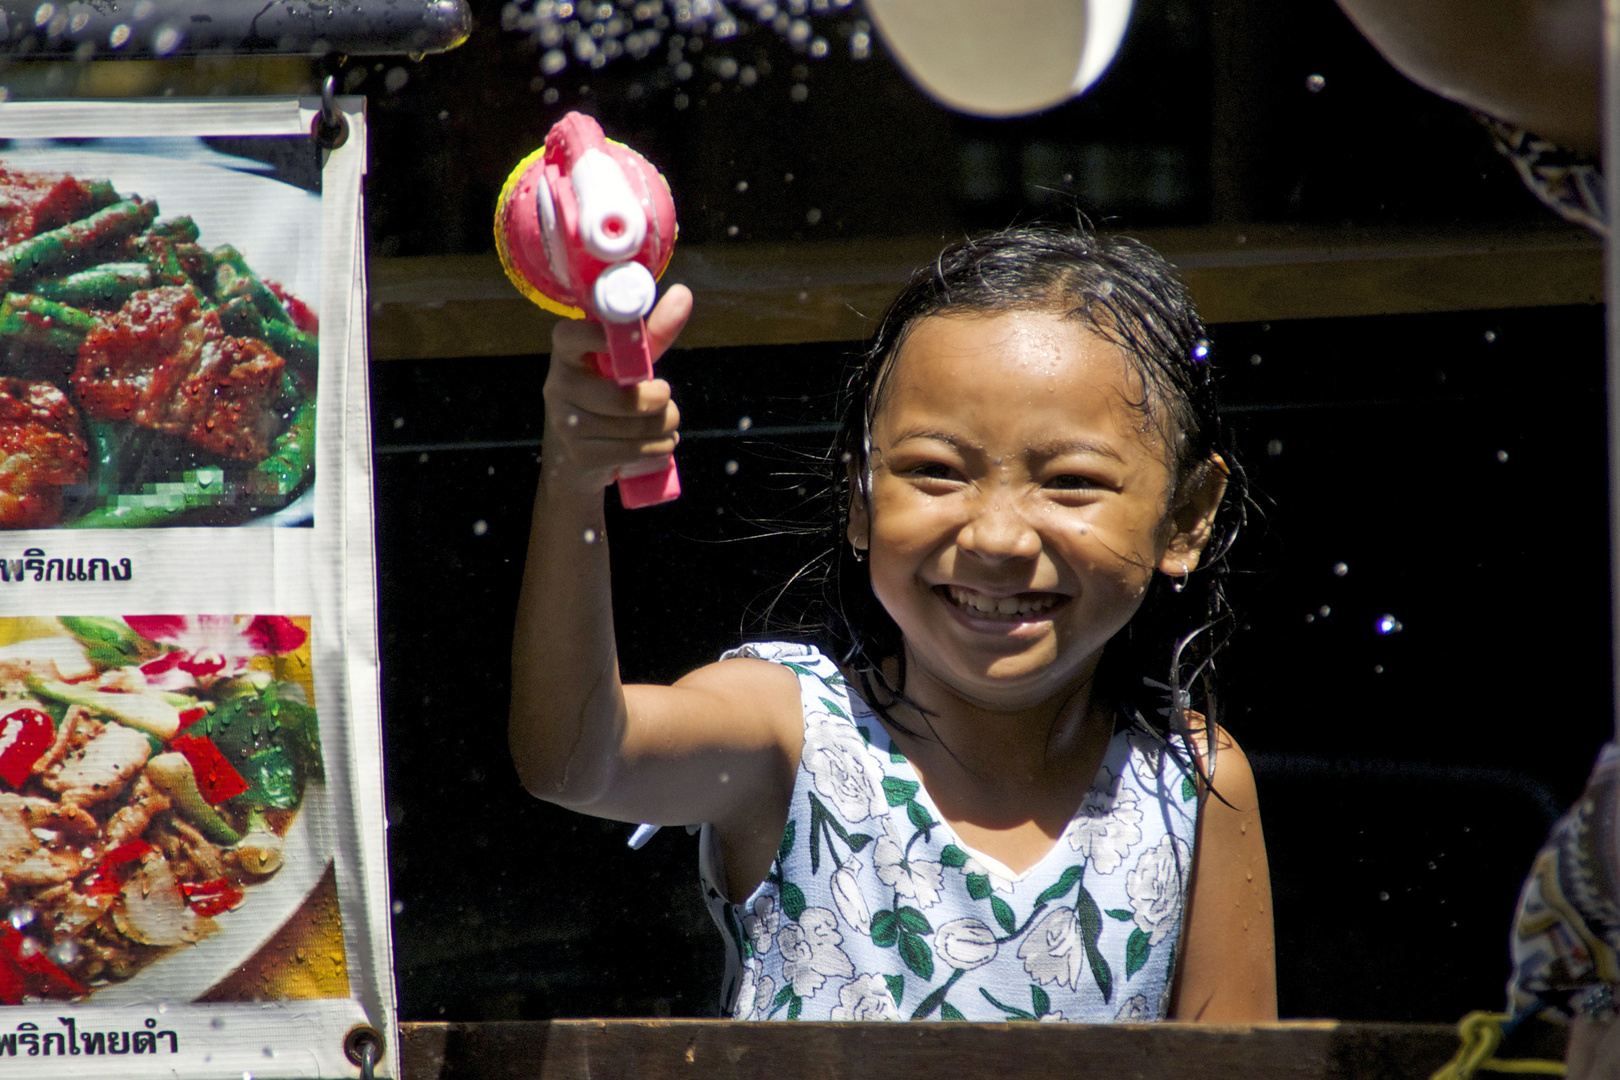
[1019, 608]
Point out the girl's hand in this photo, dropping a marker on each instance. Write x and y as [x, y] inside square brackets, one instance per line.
[594, 426]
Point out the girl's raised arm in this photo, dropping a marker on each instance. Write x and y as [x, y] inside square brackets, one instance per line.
[1228, 970]
[709, 748]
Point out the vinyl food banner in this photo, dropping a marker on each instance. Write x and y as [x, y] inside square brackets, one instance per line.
[192, 861]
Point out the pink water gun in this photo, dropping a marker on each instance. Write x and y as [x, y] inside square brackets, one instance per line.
[584, 228]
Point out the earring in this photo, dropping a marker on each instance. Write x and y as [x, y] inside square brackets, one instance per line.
[1178, 583]
[860, 553]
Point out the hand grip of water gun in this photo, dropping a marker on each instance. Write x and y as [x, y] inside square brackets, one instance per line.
[584, 228]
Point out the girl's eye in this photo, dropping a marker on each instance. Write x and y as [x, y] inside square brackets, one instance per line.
[934, 470]
[1072, 482]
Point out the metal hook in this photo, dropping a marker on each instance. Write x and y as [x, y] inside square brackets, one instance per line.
[363, 1046]
[331, 127]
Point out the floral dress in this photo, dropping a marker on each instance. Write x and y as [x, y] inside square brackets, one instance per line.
[875, 910]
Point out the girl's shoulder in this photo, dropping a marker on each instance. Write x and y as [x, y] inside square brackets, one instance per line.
[819, 675]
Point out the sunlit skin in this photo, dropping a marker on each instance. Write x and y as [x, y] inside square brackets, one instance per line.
[1010, 463]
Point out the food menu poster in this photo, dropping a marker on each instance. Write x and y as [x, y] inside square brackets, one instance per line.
[192, 864]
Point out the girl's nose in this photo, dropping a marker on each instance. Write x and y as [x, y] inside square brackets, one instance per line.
[998, 531]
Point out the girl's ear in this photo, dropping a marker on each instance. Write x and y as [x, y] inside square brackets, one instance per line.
[1193, 518]
[859, 532]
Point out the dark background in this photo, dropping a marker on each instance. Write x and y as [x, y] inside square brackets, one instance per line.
[1453, 463]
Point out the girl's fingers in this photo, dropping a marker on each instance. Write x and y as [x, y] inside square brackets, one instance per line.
[668, 319]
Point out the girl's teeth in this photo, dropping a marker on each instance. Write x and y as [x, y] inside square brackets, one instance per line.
[1007, 605]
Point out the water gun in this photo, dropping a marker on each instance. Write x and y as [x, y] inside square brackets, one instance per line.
[584, 228]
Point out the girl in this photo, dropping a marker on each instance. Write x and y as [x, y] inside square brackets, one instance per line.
[977, 806]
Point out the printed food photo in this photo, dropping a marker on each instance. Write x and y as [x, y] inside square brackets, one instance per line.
[150, 374]
[154, 771]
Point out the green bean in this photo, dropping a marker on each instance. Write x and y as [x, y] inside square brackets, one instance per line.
[159, 504]
[159, 252]
[292, 457]
[241, 317]
[33, 323]
[181, 230]
[106, 286]
[58, 251]
[102, 194]
[233, 277]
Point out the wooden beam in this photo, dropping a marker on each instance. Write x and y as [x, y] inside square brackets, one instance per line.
[781, 294]
[718, 1050]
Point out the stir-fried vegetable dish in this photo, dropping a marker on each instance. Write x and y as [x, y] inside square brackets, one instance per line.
[144, 380]
[144, 792]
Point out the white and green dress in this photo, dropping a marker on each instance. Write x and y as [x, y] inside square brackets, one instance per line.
[875, 910]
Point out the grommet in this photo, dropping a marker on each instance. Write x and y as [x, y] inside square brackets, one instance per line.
[363, 1047]
[331, 128]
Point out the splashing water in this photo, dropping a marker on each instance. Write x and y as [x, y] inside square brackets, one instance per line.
[1340, 569]
[592, 34]
[21, 916]
[1387, 624]
[1315, 83]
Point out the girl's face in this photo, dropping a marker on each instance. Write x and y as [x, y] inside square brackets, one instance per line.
[1019, 504]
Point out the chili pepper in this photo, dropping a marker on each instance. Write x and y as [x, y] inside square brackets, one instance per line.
[57, 252]
[211, 897]
[105, 287]
[25, 971]
[233, 277]
[34, 324]
[217, 780]
[173, 775]
[106, 878]
[25, 735]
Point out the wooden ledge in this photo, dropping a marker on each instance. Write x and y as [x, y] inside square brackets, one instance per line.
[719, 1050]
[783, 294]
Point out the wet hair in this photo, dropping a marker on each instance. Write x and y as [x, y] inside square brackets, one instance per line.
[1162, 662]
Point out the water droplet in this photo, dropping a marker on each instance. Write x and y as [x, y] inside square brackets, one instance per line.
[787, 178]
[1340, 569]
[64, 953]
[1502, 456]
[1490, 337]
[813, 216]
[1324, 611]
[119, 36]
[1254, 361]
[845, 458]
[725, 778]
[1310, 618]
[399, 907]
[681, 101]
[422, 458]
[590, 536]
[799, 93]
[1315, 83]
[742, 186]
[143, 10]
[571, 420]
[731, 468]
[860, 42]
[1388, 624]
[1383, 896]
[819, 48]
[745, 423]
[732, 230]
[28, 948]
[166, 41]
[490, 471]
[553, 61]
[550, 96]
[1432, 866]
[480, 527]
[1274, 447]
[726, 67]
[21, 916]
[44, 13]
[399, 422]
[1200, 351]
[396, 79]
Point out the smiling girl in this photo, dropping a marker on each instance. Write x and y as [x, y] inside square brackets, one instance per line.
[984, 801]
